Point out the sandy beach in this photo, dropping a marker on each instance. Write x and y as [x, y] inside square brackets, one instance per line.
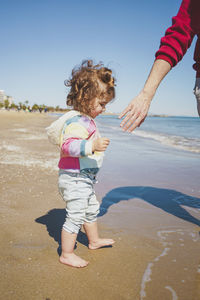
[150, 205]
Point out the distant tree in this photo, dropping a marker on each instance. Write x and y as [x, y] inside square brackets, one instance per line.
[26, 103]
[27, 107]
[13, 105]
[35, 107]
[51, 108]
[6, 104]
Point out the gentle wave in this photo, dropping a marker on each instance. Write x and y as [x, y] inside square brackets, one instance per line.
[179, 142]
[188, 144]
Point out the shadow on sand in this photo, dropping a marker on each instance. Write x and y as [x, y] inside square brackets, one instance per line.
[54, 221]
[170, 201]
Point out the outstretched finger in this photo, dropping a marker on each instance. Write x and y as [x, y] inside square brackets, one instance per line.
[124, 112]
[126, 119]
[129, 119]
[141, 122]
[106, 139]
[107, 142]
[130, 122]
[137, 123]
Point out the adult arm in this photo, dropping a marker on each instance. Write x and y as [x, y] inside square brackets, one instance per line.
[136, 112]
[173, 47]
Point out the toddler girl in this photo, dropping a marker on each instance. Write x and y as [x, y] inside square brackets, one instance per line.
[81, 155]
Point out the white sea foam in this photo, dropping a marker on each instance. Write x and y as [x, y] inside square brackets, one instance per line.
[165, 252]
[179, 142]
[11, 148]
[15, 155]
[163, 233]
[27, 135]
[147, 274]
[195, 236]
[198, 269]
[163, 236]
[33, 137]
[174, 295]
[23, 161]
[19, 130]
[146, 278]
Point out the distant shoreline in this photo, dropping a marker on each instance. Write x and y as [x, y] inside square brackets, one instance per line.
[104, 114]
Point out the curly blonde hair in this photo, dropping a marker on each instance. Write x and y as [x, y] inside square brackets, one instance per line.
[86, 84]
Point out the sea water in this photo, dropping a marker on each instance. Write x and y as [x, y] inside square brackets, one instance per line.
[182, 133]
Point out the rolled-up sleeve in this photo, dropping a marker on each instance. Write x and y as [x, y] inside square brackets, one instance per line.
[178, 37]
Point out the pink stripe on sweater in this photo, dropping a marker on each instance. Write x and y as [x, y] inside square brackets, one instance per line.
[91, 128]
[69, 163]
[71, 147]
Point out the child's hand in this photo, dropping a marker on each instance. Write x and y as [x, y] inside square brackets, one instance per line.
[100, 144]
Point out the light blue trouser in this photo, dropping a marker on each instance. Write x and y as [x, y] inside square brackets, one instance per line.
[77, 191]
[197, 93]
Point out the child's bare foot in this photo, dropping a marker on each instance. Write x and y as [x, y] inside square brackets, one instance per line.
[100, 243]
[73, 260]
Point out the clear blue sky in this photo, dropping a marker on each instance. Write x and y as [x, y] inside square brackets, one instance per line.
[42, 40]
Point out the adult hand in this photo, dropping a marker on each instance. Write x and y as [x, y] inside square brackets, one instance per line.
[136, 112]
[100, 144]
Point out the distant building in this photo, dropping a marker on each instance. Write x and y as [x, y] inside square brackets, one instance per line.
[10, 99]
[2, 96]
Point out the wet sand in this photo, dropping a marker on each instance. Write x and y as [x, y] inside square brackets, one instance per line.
[149, 204]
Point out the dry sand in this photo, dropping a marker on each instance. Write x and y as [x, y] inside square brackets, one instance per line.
[141, 264]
